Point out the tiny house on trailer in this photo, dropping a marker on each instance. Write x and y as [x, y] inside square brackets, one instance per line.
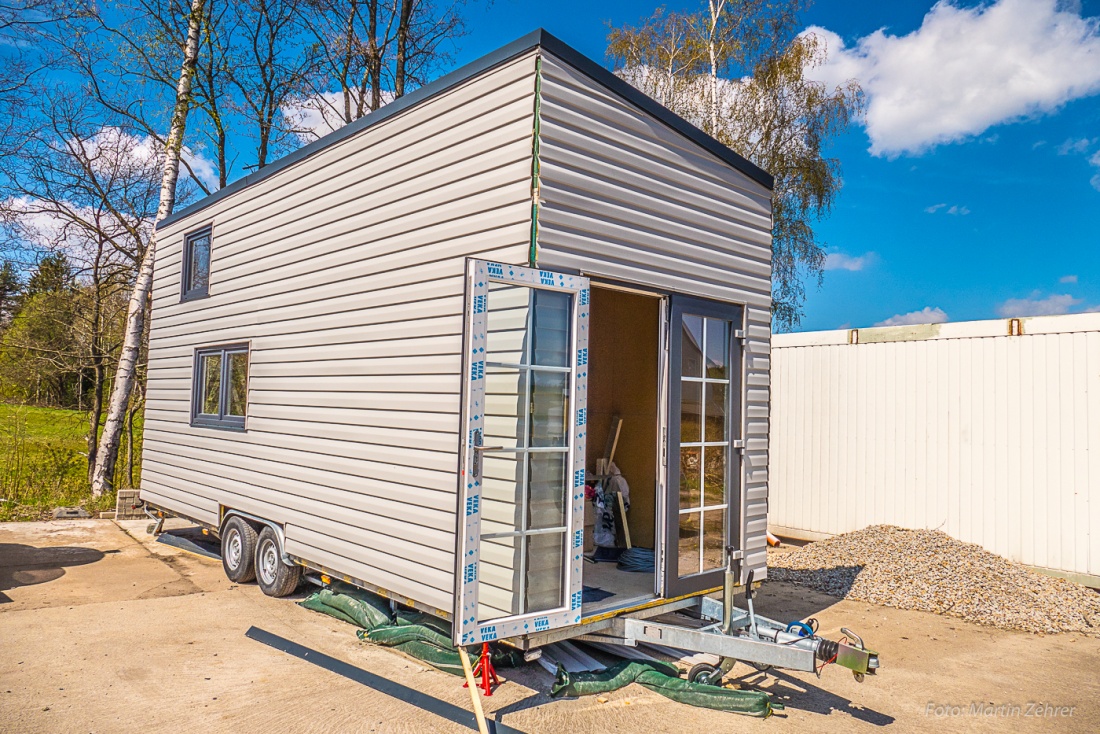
[397, 352]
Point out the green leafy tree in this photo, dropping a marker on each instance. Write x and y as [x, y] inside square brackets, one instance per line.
[739, 70]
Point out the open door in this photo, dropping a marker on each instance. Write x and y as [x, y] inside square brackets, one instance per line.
[704, 443]
[523, 456]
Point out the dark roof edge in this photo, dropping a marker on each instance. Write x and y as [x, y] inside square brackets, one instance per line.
[521, 45]
[647, 104]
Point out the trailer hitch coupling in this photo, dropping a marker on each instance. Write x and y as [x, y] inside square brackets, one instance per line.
[852, 654]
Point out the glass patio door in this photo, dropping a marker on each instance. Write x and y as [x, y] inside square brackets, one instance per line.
[704, 438]
[523, 458]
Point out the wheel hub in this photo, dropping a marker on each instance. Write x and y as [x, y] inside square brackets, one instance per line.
[234, 549]
[269, 560]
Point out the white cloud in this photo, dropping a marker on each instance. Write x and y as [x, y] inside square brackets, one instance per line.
[36, 225]
[1034, 305]
[65, 227]
[954, 209]
[966, 69]
[114, 149]
[1068, 279]
[926, 315]
[315, 116]
[1073, 145]
[840, 261]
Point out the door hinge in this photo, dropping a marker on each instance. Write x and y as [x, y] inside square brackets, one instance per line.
[738, 444]
[739, 334]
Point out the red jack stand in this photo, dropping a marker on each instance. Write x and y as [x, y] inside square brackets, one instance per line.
[485, 668]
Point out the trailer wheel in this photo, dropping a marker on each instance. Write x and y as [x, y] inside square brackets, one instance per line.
[705, 673]
[274, 577]
[239, 550]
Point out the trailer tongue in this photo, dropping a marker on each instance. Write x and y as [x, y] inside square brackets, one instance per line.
[740, 634]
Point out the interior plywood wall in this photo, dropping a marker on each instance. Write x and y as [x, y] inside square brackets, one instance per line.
[622, 380]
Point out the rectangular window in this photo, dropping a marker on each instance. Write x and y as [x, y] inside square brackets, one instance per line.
[196, 265]
[220, 390]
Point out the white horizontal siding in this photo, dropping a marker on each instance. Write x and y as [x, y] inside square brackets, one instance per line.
[345, 274]
[994, 439]
[622, 196]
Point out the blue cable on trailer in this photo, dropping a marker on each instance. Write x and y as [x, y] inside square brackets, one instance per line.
[801, 627]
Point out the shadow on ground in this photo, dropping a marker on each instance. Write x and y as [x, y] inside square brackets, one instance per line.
[798, 694]
[27, 565]
[192, 540]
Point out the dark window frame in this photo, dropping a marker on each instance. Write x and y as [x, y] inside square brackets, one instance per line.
[191, 294]
[222, 420]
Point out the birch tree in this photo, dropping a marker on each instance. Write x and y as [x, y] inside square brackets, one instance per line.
[107, 453]
[85, 191]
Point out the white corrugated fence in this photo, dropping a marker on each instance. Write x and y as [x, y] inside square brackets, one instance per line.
[988, 430]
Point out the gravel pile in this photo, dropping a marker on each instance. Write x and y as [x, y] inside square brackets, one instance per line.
[929, 571]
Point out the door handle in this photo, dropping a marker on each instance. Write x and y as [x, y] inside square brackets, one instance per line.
[488, 448]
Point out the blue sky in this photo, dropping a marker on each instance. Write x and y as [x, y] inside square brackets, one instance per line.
[1018, 232]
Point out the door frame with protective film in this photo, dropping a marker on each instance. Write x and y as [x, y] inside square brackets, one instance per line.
[567, 365]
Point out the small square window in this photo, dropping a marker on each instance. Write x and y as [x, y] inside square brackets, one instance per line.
[220, 387]
[196, 265]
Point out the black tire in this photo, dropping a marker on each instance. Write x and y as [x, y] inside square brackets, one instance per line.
[706, 674]
[239, 550]
[274, 577]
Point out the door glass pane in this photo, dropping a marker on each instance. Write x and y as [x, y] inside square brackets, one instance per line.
[688, 550]
[238, 383]
[198, 269]
[714, 475]
[545, 582]
[691, 347]
[505, 406]
[549, 408]
[501, 492]
[718, 349]
[691, 412]
[552, 317]
[547, 492]
[211, 365]
[506, 323]
[716, 411]
[714, 539]
[498, 590]
[689, 477]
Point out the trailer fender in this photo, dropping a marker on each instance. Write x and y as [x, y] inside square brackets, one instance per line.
[279, 532]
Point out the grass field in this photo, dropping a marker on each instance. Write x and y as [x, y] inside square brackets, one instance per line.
[43, 462]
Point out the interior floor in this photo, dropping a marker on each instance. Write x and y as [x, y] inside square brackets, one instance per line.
[624, 335]
[605, 586]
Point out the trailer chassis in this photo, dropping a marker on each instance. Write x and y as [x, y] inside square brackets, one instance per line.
[740, 634]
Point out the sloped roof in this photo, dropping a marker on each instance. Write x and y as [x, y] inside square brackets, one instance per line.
[537, 38]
